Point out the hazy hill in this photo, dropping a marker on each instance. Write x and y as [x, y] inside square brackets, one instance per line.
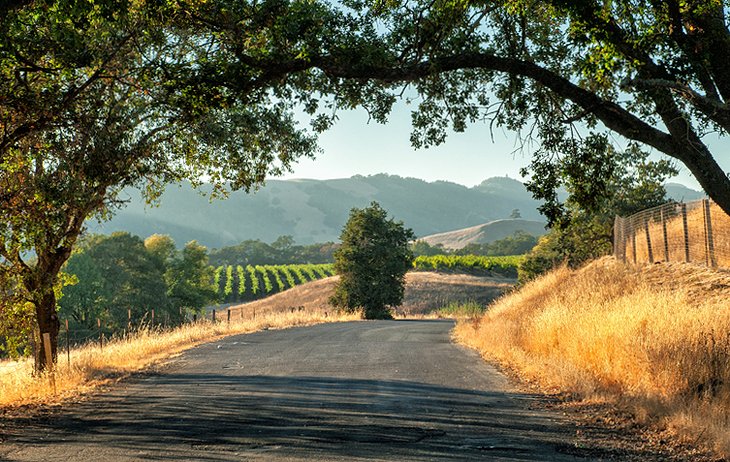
[682, 193]
[315, 211]
[485, 233]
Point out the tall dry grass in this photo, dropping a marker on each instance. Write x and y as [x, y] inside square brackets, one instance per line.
[92, 366]
[655, 338]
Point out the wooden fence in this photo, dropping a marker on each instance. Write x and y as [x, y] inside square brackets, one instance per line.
[696, 232]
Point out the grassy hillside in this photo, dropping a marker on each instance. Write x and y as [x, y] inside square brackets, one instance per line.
[485, 233]
[315, 211]
[655, 337]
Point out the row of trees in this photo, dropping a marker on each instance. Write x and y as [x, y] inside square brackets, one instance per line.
[120, 274]
[518, 243]
[282, 251]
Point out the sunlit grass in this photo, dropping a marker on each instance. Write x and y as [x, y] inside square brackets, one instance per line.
[657, 338]
[91, 366]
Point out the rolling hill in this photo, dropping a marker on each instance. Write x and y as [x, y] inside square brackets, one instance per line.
[315, 211]
[485, 233]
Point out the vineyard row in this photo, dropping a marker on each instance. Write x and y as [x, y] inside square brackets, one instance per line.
[238, 283]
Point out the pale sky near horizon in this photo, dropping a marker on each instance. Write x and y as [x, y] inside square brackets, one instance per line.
[355, 147]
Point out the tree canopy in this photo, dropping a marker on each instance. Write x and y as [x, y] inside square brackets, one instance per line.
[372, 263]
[99, 95]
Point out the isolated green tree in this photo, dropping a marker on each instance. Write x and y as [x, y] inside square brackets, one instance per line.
[372, 262]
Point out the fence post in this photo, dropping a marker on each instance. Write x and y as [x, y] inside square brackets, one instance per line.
[152, 319]
[213, 316]
[68, 345]
[229, 317]
[616, 236]
[648, 241]
[49, 360]
[664, 234]
[633, 243]
[686, 232]
[129, 319]
[709, 240]
[101, 334]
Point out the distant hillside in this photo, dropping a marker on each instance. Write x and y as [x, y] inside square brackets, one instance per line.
[682, 193]
[315, 211]
[485, 233]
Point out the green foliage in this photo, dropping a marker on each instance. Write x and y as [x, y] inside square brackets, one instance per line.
[282, 251]
[501, 265]
[254, 279]
[118, 273]
[190, 279]
[517, 244]
[228, 288]
[423, 248]
[218, 278]
[584, 231]
[274, 271]
[115, 273]
[265, 277]
[309, 271]
[287, 272]
[241, 280]
[372, 262]
[297, 270]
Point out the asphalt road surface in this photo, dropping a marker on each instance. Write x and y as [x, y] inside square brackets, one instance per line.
[386, 390]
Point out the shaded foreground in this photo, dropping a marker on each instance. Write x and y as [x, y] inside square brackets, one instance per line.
[388, 390]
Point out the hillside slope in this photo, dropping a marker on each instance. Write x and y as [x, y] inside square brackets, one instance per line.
[485, 233]
[315, 211]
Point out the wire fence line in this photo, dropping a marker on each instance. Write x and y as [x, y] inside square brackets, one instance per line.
[693, 232]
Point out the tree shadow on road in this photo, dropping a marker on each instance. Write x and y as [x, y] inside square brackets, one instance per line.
[239, 417]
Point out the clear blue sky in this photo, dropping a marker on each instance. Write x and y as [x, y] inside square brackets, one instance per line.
[354, 146]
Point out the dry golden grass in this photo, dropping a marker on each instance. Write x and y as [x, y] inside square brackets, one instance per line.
[426, 291]
[654, 338]
[91, 366]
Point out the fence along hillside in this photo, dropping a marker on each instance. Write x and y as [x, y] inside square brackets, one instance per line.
[696, 232]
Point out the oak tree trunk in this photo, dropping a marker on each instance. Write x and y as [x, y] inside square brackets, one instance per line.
[48, 323]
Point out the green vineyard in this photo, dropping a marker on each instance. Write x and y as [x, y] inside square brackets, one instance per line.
[502, 266]
[239, 283]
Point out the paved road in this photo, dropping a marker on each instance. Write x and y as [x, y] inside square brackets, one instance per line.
[390, 390]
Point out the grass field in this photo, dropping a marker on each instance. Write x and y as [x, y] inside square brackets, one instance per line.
[655, 339]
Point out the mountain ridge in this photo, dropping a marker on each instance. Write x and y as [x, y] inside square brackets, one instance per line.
[315, 210]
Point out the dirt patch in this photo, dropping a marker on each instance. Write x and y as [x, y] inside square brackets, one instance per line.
[425, 291]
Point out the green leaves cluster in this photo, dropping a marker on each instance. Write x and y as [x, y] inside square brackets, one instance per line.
[629, 181]
[122, 272]
[372, 262]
